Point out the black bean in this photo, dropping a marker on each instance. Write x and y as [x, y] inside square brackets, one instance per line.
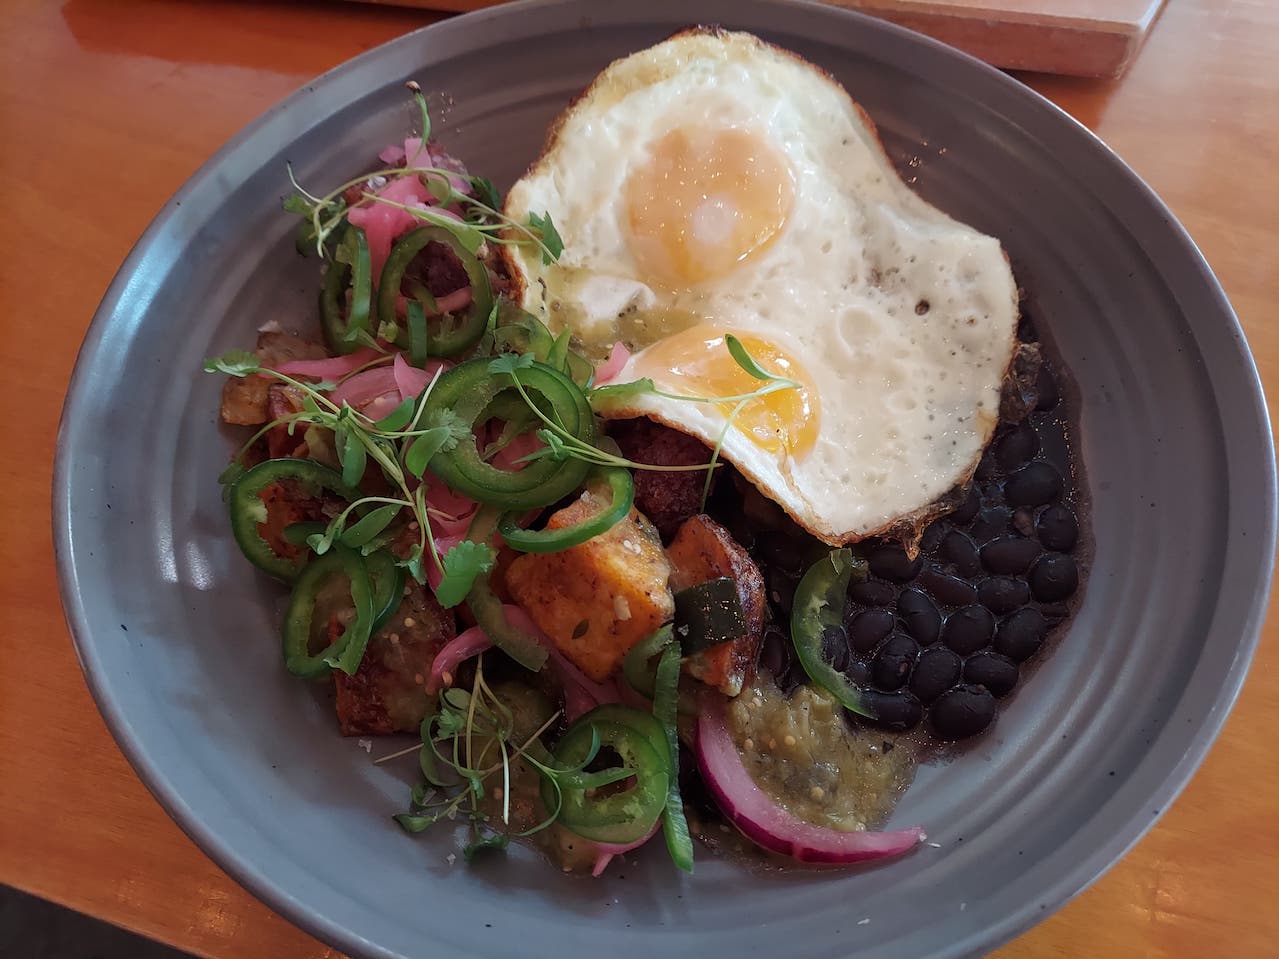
[781, 588]
[890, 562]
[969, 629]
[893, 663]
[1033, 485]
[868, 628]
[958, 548]
[991, 522]
[946, 589]
[1055, 612]
[1046, 389]
[966, 510]
[932, 536]
[936, 670]
[1054, 577]
[794, 678]
[872, 592]
[1058, 528]
[835, 647]
[987, 467]
[775, 651]
[1003, 594]
[919, 615]
[997, 673]
[1009, 554]
[962, 712]
[899, 710]
[1021, 634]
[1019, 445]
[1024, 520]
[858, 672]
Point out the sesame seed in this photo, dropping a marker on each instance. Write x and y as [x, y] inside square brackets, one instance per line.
[789, 740]
[772, 743]
[497, 793]
[817, 792]
[407, 590]
[409, 622]
[749, 743]
[414, 526]
[419, 678]
[395, 639]
[447, 677]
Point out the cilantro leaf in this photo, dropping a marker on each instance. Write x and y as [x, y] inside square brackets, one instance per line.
[510, 362]
[446, 419]
[462, 564]
[486, 192]
[551, 243]
[234, 363]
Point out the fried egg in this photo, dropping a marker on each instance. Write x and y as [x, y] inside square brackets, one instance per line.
[714, 185]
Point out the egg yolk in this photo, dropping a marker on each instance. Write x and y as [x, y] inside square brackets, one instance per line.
[704, 201]
[696, 362]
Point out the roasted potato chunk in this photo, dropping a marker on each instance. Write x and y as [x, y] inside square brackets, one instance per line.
[387, 694]
[703, 550]
[598, 599]
[245, 399]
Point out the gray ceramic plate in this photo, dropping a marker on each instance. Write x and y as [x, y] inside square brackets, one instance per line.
[175, 631]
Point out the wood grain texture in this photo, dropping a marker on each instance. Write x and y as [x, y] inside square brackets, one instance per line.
[105, 109]
[1085, 38]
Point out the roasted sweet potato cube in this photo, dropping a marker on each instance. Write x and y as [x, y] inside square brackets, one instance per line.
[387, 694]
[703, 550]
[244, 399]
[598, 599]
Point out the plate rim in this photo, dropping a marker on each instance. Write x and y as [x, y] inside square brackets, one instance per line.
[1087, 870]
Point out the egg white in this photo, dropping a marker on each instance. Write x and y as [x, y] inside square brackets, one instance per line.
[904, 318]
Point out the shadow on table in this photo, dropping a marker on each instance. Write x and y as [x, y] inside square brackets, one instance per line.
[32, 928]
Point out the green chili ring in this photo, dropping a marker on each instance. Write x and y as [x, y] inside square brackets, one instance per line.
[819, 604]
[467, 391]
[619, 817]
[347, 650]
[247, 509]
[473, 322]
[387, 579]
[622, 487]
[335, 322]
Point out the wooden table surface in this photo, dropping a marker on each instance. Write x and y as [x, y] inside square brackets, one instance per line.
[107, 107]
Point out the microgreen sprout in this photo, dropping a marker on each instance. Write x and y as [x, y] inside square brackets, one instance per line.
[401, 445]
[469, 746]
[559, 443]
[483, 220]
